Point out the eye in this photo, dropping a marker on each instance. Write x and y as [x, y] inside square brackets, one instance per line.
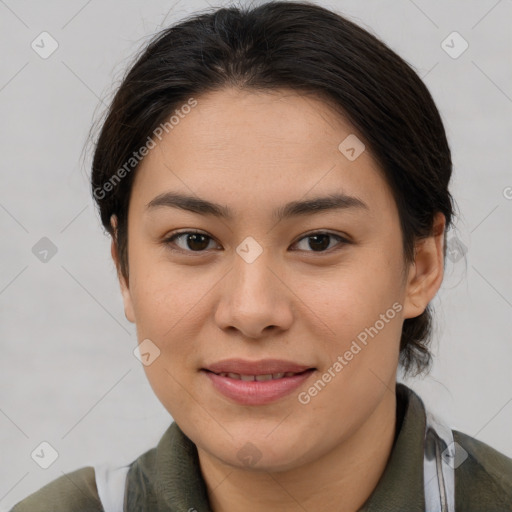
[321, 241]
[192, 241]
[196, 241]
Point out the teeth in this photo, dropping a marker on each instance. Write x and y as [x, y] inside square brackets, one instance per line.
[268, 376]
[259, 378]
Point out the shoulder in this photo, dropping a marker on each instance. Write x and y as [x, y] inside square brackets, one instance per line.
[483, 476]
[75, 491]
[140, 482]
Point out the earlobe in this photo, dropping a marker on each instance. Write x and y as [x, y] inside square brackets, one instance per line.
[127, 301]
[426, 272]
[125, 290]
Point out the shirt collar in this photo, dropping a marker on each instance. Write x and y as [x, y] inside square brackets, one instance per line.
[179, 484]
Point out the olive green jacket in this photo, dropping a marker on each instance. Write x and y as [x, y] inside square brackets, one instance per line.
[167, 478]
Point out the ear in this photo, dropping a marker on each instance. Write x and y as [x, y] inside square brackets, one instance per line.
[427, 270]
[125, 290]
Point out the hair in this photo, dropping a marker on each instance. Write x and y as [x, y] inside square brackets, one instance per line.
[296, 46]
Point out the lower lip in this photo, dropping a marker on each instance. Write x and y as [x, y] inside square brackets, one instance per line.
[257, 392]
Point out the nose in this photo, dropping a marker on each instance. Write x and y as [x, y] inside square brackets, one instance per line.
[254, 299]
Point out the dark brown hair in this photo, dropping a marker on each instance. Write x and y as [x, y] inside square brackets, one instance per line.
[309, 49]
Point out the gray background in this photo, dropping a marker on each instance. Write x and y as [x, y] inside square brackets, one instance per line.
[67, 372]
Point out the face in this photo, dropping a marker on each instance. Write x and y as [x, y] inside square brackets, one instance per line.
[296, 272]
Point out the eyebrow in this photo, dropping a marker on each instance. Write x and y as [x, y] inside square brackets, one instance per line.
[292, 209]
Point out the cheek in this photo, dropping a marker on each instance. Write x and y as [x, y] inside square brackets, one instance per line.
[153, 288]
[362, 306]
[171, 306]
[163, 295]
[357, 295]
[166, 308]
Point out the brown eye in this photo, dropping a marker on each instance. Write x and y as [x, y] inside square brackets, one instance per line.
[191, 241]
[320, 242]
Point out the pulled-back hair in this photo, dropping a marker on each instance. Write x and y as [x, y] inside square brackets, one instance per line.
[308, 49]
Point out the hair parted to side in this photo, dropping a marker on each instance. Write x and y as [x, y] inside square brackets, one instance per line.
[308, 49]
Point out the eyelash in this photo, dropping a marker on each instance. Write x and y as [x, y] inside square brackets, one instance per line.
[170, 241]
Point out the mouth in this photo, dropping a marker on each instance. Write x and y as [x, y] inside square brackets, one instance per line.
[256, 368]
[256, 382]
[259, 378]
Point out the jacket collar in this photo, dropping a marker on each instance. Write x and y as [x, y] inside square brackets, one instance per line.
[178, 483]
[400, 487]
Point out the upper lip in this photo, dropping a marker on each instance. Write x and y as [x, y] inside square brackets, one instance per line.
[261, 367]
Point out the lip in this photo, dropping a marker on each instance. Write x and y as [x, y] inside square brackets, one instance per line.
[261, 367]
[256, 392]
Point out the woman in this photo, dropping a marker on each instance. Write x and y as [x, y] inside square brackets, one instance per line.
[275, 182]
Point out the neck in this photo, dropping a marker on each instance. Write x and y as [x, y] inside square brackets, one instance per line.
[341, 480]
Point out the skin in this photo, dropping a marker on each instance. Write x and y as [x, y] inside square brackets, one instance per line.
[254, 152]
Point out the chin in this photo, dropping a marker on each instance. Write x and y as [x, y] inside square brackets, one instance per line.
[263, 452]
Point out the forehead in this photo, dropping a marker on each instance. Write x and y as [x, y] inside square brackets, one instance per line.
[251, 149]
